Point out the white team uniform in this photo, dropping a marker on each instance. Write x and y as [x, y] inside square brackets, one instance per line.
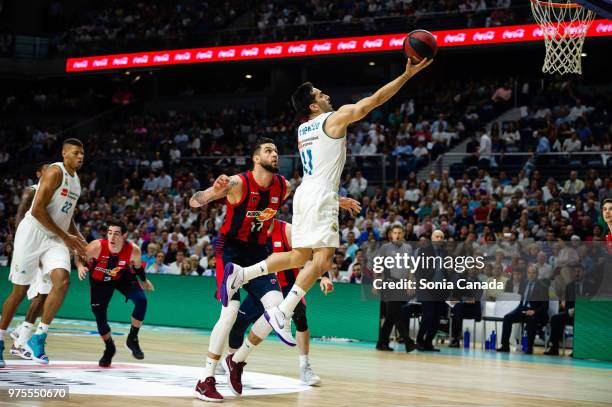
[36, 246]
[315, 203]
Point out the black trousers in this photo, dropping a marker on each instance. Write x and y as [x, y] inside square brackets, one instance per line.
[432, 311]
[557, 324]
[392, 312]
[516, 316]
[462, 311]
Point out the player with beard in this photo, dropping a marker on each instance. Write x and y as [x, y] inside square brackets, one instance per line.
[252, 199]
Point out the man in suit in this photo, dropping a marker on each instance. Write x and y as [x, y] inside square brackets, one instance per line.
[393, 313]
[577, 288]
[466, 305]
[532, 310]
[433, 301]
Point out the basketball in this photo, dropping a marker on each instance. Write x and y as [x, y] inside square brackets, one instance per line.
[420, 44]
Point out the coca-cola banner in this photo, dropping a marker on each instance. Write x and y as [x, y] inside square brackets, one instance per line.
[374, 43]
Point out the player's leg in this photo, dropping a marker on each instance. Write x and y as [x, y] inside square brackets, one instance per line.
[307, 375]
[134, 292]
[101, 294]
[236, 276]
[55, 265]
[24, 332]
[279, 316]
[250, 311]
[234, 364]
[23, 273]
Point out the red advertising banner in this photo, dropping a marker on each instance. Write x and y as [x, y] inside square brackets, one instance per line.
[348, 45]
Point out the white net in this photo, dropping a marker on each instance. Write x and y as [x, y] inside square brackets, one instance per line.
[564, 26]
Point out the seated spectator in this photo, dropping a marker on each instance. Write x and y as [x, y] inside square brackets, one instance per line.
[148, 258]
[196, 269]
[176, 266]
[158, 267]
[465, 305]
[579, 287]
[532, 310]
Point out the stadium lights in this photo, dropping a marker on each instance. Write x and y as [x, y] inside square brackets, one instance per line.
[583, 55]
[371, 63]
[248, 76]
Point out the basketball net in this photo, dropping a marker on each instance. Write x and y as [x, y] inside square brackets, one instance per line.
[564, 26]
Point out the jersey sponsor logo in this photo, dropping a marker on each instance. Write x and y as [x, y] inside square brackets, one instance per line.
[274, 199]
[262, 216]
[278, 244]
[334, 227]
[86, 378]
[111, 272]
[64, 192]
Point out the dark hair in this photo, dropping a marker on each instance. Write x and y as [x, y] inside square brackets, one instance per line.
[302, 98]
[606, 201]
[73, 142]
[396, 226]
[42, 165]
[261, 141]
[116, 222]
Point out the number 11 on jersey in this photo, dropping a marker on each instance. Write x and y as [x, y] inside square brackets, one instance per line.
[307, 161]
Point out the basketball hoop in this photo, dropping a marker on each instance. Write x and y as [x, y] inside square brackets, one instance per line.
[564, 26]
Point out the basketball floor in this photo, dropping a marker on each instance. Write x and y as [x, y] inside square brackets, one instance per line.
[353, 374]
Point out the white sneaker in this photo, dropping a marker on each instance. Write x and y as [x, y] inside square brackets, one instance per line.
[20, 352]
[15, 333]
[281, 324]
[220, 370]
[233, 279]
[308, 377]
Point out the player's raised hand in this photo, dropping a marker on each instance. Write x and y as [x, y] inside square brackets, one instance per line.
[82, 271]
[148, 285]
[413, 69]
[76, 244]
[221, 183]
[351, 205]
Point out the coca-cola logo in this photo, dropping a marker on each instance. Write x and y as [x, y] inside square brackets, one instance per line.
[294, 49]
[452, 38]
[80, 64]
[204, 55]
[325, 46]
[141, 60]
[230, 53]
[483, 36]
[512, 34]
[276, 50]
[396, 42]
[603, 28]
[373, 43]
[250, 52]
[120, 61]
[578, 29]
[539, 32]
[100, 62]
[161, 58]
[185, 56]
[347, 45]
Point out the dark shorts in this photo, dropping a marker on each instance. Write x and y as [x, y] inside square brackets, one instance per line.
[102, 291]
[244, 254]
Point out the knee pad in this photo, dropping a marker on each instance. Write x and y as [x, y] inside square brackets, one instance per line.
[299, 318]
[236, 335]
[271, 299]
[140, 307]
[101, 319]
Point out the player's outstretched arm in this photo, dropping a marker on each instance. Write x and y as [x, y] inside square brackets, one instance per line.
[91, 252]
[222, 187]
[26, 202]
[347, 114]
[49, 182]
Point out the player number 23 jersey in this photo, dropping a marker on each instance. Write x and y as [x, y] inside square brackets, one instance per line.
[322, 157]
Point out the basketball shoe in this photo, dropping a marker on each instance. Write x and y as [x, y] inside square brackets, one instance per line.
[36, 347]
[207, 390]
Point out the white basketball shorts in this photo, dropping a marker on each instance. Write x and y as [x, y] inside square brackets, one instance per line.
[315, 217]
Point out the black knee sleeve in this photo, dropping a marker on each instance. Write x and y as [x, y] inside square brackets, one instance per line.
[236, 336]
[299, 319]
[101, 319]
[140, 307]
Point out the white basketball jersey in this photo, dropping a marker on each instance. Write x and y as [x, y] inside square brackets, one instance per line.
[323, 157]
[64, 199]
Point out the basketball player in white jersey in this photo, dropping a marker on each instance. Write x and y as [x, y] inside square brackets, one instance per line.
[37, 293]
[46, 236]
[322, 146]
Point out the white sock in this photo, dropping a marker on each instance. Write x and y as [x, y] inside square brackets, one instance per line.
[254, 271]
[42, 329]
[243, 351]
[2, 332]
[209, 369]
[24, 335]
[304, 361]
[291, 300]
